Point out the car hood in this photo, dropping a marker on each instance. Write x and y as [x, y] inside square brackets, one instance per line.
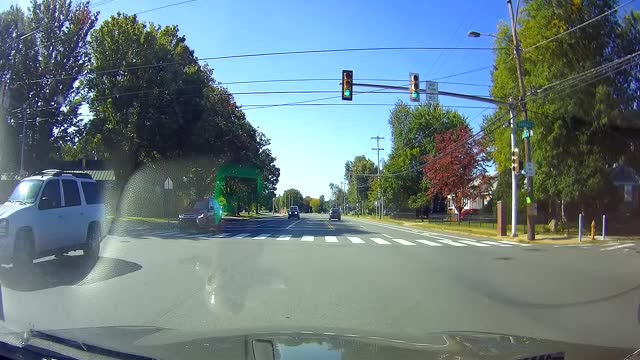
[7, 209]
[318, 343]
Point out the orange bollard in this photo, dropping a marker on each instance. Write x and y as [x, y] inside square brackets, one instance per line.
[593, 230]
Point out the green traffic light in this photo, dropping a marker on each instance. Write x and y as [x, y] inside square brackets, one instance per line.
[415, 95]
[347, 93]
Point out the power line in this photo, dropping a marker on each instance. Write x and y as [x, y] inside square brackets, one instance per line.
[579, 26]
[463, 73]
[322, 51]
[605, 68]
[165, 6]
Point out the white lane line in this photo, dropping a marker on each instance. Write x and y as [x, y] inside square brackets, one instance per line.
[194, 235]
[451, 242]
[472, 243]
[240, 236]
[495, 243]
[430, 243]
[390, 237]
[284, 237]
[617, 247]
[262, 236]
[331, 239]
[289, 227]
[403, 242]
[380, 241]
[222, 235]
[516, 243]
[307, 238]
[355, 240]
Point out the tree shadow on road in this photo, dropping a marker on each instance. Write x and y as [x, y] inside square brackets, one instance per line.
[66, 271]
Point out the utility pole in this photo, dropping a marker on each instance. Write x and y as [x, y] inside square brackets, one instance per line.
[514, 174]
[23, 139]
[342, 186]
[531, 225]
[380, 197]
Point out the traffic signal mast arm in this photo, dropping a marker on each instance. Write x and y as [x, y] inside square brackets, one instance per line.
[444, 93]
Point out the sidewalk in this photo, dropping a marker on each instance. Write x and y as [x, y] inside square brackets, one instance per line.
[547, 239]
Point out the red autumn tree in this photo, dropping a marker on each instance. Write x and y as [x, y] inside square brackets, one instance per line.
[458, 166]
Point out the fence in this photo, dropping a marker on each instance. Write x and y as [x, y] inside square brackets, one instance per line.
[475, 220]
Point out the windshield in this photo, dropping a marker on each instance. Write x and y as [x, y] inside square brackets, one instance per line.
[200, 205]
[384, 169]
[26, 192]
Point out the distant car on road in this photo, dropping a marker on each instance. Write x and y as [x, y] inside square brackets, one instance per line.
[294, 212]
[335, 214]
[51, 213]
[201, 214]
[467, 213]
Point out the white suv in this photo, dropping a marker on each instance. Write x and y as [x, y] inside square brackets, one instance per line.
[51, 213]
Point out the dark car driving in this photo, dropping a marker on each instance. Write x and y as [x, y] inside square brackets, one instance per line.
[201, 214]
[335, 214]
[294, 213]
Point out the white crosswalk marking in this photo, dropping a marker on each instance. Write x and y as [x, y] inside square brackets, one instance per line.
[262, 236]
[495, 243]
[307, 238]
[197, 235]
[355, 240]
[516, 243]
[331, 239]
[380, 241]
[222, 235]
[617, 247]
[472, 243]
[403, 242]
[451, 242]
[284, 237]
[240, 236]
[430, 243]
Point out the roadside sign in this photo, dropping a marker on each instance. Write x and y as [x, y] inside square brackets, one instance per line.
[526, 133]
[432, 87]
[530, 169]
[168, 184]
[532, 209]
[525, 124]
[432, 98]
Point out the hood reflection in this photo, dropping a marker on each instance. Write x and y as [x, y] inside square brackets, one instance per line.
[232, 273]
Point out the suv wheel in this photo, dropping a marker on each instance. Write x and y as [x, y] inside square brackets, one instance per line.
[92, 246]
[23, 252]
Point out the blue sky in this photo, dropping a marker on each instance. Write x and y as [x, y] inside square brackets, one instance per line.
[312, 143]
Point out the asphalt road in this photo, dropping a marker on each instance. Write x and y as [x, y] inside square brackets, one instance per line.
[351, 276]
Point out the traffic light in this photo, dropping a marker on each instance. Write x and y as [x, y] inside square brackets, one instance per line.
[347, 85]
[516, 163]
[415, 87]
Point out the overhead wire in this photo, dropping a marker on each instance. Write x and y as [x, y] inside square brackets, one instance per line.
[579, 26]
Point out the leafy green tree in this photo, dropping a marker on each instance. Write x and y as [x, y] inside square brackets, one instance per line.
[577, 125]
[413, 131]
[293, 197]
[43, 55]
[323, 205]
[359, 172]
[315, 205]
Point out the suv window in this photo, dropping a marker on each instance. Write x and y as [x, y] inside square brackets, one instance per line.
[71, 193]
[51, 191]
[90, 190]
[293, 208]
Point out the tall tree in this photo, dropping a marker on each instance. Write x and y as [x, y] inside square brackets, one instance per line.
[359, 173]
[43, 57]
[577, 128]
[413, 131]
[458, 166]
